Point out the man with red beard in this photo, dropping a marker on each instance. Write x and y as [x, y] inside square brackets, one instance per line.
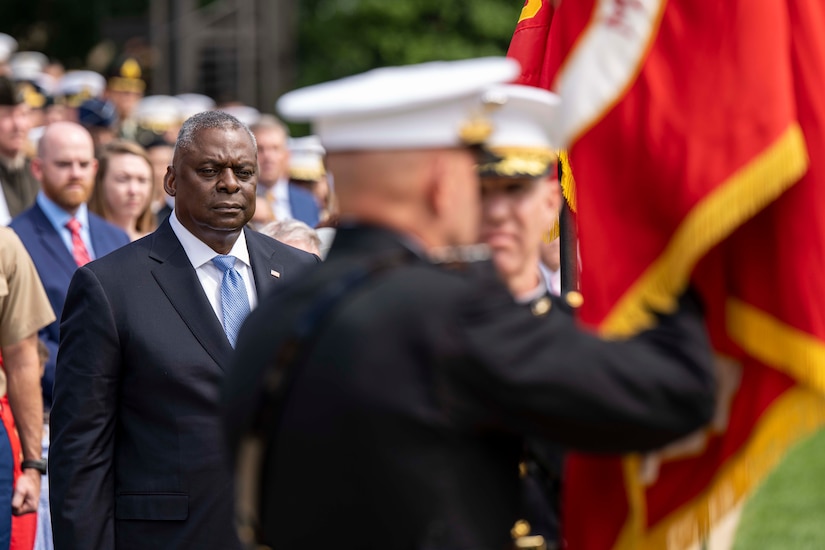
[58, 231]
[17, 184]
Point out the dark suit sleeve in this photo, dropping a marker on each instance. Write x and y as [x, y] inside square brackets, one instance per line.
[47, 381]
[83, 418]
[546, 376]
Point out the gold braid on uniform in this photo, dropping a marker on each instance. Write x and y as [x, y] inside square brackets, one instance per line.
[307, 174]
[519, 161]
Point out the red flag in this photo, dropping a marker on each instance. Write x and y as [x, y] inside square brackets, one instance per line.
[689, 127]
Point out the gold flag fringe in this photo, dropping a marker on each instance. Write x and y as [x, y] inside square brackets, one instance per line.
[568, 190]
[793, 416]
[714, 218]
[568, 182]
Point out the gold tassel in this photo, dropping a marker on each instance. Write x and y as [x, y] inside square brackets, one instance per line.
[568, 182]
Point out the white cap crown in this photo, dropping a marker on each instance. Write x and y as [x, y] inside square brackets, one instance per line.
[415, 106]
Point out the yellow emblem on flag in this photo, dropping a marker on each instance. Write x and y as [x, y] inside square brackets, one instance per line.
[530, 9]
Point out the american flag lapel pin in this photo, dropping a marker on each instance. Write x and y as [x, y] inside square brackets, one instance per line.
[276, 274]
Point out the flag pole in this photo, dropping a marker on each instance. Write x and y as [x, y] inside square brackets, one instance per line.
[568, 244]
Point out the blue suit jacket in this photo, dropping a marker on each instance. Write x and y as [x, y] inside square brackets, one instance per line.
[56, 266]
[303, 206]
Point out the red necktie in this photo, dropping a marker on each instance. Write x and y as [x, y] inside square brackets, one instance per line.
[81, 255]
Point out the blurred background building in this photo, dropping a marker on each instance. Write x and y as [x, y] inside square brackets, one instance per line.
[230, 50]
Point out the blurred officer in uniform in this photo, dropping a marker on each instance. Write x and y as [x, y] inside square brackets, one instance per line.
[307, 170]
[8, 45]
[125, 88]
[158, 116]
[520, 199]
[72, 90]
[391, 388]
[99, 117]
[37, 87]
[19, 186]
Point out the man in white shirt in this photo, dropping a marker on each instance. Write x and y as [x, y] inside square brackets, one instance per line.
[278, 199]
[146, 338]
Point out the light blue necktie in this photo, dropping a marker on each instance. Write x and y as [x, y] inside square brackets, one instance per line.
[234, 300]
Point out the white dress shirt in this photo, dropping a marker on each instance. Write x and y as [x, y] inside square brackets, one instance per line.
[5, 215]
[552, 279]
[210, 275]
[277, 197]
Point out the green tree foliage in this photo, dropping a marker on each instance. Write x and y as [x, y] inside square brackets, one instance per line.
[63, 29]
[342, 37]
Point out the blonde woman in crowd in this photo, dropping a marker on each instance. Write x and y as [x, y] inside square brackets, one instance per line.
[123, 188]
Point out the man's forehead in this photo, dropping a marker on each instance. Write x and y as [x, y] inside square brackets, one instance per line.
[7, 110]
[68, 147]
[217, 138]
[72, 151]
[271, 133]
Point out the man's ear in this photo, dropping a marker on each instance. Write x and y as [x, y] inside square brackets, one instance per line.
[95, 167]
[36, 168]
[439, 192]
[169, 182]
[553, 194]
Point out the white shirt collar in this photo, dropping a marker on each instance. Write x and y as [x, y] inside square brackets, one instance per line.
[199, 252]
[281, 190]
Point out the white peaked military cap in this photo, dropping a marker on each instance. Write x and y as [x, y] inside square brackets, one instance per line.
[246, 114]
[81, 85]
[8, 46]
[306, 158]
[159, 112]
[28, 65]
[195, 103]
[434, 104]
[523, 130]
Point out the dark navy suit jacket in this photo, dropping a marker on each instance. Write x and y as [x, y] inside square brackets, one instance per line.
[55, 265]
[136, 458]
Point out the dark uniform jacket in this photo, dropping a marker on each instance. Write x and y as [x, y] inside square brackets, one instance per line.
[404, 425]
[19, 187]
[136, 458]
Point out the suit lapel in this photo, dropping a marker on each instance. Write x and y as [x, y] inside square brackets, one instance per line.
[51, 241]
[177, 278]
[266, 267]
[103, 236]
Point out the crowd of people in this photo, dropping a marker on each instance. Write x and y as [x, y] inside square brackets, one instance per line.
[83, 159]
[245, 338]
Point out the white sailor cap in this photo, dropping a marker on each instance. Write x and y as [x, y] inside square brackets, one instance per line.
[195, 103]
[159, 113]
[8, 46]
[28, 65]
[523, 131]
[78, 86]
[434, 104]
[246, 114]
[306, 158]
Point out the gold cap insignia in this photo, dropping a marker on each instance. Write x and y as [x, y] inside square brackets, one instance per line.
[475, 131]
[130, 69]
